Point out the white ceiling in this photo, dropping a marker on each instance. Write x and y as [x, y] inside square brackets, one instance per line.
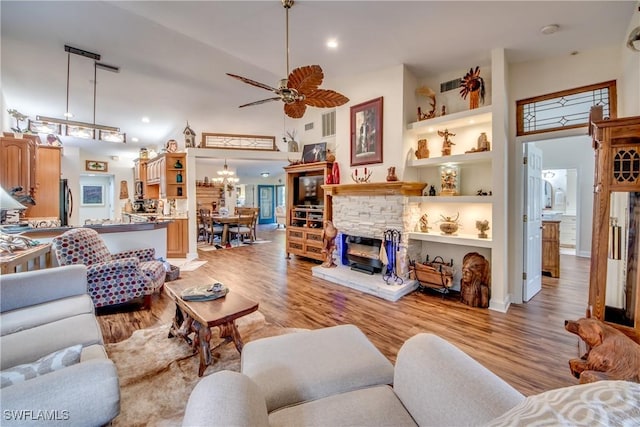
[173, 55]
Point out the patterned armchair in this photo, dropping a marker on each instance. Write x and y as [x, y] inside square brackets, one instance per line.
[111, 278]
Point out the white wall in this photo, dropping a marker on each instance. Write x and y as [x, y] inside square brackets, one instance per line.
[629, 84]
[97, 212]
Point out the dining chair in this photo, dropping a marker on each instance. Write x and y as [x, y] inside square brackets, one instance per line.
[244, 227]
[254, 212]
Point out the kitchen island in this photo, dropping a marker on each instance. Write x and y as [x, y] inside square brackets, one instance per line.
[177, 243]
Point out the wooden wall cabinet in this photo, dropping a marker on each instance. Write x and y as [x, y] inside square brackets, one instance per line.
[164, 179]
[308, 206]
[177, 239]
[551, 248]
[18, 161]
[47, 184]
[617, 157]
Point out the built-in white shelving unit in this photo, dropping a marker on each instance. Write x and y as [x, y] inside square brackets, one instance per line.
[458, 239]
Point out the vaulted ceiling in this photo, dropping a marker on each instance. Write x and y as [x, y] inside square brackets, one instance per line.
[173, 55]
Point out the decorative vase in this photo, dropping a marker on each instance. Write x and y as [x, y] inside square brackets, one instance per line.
[335, 172]
[177, 164]
[448, 227]
[179, 177]
[329, 179]
[423, 150]
[391, 174]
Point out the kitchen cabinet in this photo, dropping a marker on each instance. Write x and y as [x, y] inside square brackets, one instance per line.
[551, 248]
[166, 176]
[308, 206]
[177, 239]
[47, 183]
[18, 160]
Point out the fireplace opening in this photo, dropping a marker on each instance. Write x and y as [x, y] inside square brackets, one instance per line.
[362, 254]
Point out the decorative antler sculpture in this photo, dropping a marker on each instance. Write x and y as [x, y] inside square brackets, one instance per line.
[362, 178]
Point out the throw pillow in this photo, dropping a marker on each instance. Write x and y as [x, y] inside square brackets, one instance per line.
[52, 362]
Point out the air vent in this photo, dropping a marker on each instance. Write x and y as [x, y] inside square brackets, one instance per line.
[329, 124]
[450, 85]
[308, 126]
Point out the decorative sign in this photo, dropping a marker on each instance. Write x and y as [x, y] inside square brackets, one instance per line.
[238, 142]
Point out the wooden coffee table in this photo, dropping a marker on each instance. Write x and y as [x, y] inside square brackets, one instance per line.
[200, 316]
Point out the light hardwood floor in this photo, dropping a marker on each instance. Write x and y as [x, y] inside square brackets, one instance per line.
[528, 346]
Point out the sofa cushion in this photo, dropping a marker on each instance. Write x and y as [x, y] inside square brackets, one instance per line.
[49, 363]
[441, 385]
[93, 352]
[373, 406]
[603, 403]
[41, 314]
[310, 365]
[33, 343]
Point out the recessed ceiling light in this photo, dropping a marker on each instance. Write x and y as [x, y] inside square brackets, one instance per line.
[134, 139]
[549, 29]
[68, 114]
[145, 120]
[264, 174]
[332, 43]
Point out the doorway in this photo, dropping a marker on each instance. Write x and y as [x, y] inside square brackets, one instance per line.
[266, 198]
[568, 175]
[96, 198]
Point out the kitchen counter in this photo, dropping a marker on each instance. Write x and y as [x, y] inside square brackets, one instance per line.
[141, 216]
[117, 237]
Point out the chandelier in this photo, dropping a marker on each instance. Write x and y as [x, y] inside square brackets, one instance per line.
[226, 178]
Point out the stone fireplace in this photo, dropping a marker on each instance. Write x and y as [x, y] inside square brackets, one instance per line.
[367, 211]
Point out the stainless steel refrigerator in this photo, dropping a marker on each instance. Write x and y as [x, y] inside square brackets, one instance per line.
[66, 203]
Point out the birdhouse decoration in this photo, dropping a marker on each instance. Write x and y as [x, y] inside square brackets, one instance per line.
[189, 137]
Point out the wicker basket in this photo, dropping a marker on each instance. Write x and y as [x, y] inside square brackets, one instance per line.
[173, 274]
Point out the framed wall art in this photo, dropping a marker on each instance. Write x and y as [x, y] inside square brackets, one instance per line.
[96, 166]
[92, 195]
[366, 133]
[312, 153]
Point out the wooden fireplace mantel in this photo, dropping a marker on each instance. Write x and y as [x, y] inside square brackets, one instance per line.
[376, 188]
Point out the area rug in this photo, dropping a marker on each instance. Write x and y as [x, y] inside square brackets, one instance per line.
[157, 373]
[186, 265]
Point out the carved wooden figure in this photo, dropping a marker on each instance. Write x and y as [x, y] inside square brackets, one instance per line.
[611, 355]
[329, 244]
[476, 280]
[446, 143]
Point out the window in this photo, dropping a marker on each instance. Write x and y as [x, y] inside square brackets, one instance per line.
[564, 110]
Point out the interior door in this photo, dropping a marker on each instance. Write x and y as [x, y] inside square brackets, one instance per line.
[266, 197]
[533, 197]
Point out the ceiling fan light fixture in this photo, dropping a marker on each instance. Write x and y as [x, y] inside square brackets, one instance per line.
[301, 87]
[633, 42]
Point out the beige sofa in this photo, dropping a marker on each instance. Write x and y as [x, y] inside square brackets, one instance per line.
[434, 384]
[43, 312]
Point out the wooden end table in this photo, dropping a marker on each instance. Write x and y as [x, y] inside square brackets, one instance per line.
[200, 316]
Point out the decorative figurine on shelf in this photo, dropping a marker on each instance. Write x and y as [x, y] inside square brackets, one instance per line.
[362, 178]
[472, 84]
[290, 140]
[331, 157]
[431, 95]
[449, 225]
[172, 146]
[423, 224]
[475, 281]
[391, 174]
[432, 191]
[444, 111]
[446, 143]
[189, 137]
[482, 227]
[329, 234]
[481, 192]
[19, 118]
[177, 164]
[423, 150]
[483, 144]
[448, 181]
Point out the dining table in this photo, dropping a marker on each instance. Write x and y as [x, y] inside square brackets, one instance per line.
[227, 220]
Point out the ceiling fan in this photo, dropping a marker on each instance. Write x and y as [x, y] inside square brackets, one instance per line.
[300, 88]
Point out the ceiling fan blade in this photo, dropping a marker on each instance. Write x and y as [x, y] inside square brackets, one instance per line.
[306, 79]
[295, 110]
[253, 82]
[325, 98]
[277, 98]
